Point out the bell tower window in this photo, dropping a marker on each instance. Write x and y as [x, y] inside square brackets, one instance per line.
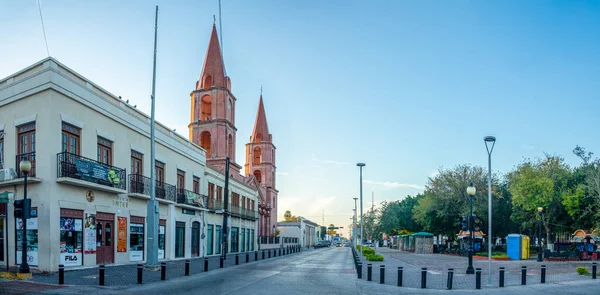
[230, 146]
[205, 140]
[257, 156]
[206, 108]
[257, 174]
[207, 81]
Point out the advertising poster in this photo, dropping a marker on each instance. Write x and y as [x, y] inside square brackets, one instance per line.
[90, 234]
[71, 241]
[122, 235]
[161, 242]
[32, 240]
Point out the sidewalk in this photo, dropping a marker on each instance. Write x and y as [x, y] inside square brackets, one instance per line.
[122, 275]
[438, 264]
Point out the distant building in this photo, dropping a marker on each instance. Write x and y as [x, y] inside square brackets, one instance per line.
[305, 230]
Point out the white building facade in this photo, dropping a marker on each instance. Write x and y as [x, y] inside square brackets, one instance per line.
[90, 181]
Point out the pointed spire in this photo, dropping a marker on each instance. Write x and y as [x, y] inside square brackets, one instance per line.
[213, 64]
[261, 129]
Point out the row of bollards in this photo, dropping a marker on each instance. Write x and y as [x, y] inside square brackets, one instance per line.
[449, 283]
[163, 265]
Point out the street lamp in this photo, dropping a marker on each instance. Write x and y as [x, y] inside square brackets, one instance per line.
[489, 141]
[471, 192]
[354, 223]
[540, 210]
[361, 165]
[25, 167]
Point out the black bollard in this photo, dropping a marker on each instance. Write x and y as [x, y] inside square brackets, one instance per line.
[369, 271]
[221, 261]
[382, 274]
[450, 277]
[61, 274]
[543, 279]
[187, 267]
[594, 270]
[523, 275]
[399, 276]
[237, 259]
[423, 278]
[140, 268]
[359, 270]
[247, 257]
[101, 278]
[163, 271]
[255, 255]
[205, 263]
[501, 283]
[478, 278]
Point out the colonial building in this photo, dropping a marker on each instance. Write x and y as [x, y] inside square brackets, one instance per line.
[90, 177]
[212, 127]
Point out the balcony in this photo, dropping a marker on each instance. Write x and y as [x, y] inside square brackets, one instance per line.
[80, 171]
[22, 157]
[187, 197]
[234, 211]
[215, 205]
[249, 214]
[139, 184]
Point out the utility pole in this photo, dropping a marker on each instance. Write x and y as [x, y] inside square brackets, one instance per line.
[152, 205]
[225, 204]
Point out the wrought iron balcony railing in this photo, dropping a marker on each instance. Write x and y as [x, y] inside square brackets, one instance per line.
[78, 167]
[22, 157]
[139, 184]
[190, 198]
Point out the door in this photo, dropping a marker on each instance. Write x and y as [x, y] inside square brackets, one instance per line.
[195, 239]
[179, 239]
[105, 249]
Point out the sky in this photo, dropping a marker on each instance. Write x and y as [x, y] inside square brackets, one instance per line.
[407, 87]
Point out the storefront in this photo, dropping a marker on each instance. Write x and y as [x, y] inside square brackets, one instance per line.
[162, 224]
[179, 239]
[210, 243]
[234, 239]
[136, 238]
[195, 239]
[219, 239]
[32, 238]
[71, 237]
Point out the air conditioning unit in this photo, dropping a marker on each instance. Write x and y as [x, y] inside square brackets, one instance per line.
[7, 174]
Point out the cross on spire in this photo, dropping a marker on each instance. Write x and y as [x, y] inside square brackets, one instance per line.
[260, 90]
[214, 20]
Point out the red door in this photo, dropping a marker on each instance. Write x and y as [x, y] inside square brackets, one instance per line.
[105, 248]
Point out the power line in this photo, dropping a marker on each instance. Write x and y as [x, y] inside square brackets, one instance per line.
[43, 28]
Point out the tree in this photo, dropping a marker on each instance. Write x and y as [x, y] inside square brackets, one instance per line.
[288, 217]
[546, 183]
[397, 215]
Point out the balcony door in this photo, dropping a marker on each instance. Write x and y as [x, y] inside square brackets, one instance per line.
[26, 148]
[137, 170]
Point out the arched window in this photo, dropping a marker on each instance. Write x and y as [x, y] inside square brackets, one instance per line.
[258, 176]
[206, 108]
[196, 109]
[230, 147]
[273, 157]
[257, 156]
[258, 137]
[207, 81]
[205, 141]
[229, 110]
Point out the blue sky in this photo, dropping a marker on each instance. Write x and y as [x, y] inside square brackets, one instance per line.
[404, 86]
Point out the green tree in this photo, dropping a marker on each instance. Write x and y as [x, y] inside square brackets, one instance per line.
[397, 215]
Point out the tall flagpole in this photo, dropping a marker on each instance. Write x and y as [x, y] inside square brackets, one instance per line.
[152, 258]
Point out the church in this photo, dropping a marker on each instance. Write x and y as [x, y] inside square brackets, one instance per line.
[213, 128]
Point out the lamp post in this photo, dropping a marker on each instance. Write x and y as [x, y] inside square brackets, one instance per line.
[471, 192]
[354, 223]
[25, 167]
[540, 210]
[361, 165]
[489, 141]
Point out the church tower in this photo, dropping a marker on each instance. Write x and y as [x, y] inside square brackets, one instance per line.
[260, 162]
[212, 122]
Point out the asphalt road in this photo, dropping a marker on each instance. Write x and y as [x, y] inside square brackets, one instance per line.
[321, 271]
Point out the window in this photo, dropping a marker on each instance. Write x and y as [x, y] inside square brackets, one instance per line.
[205, 140]
[137, 160]
[219, 240]
[179, 239]
[70, 139]
[196, 187]
[161, 238]
[160, 172]
[180, 179]
[235, 199]
[209, 240]
[230, 147]
[234, 239]
[211, 195]
[258, 176]
[248, 240]
[252, 239]
[207, 81]
[71, 241]
[26, 145]
[219, 194]
[206, 108]
[104, 151]
[243, 243]
[257, 156]
[195, 239]
[136, 241]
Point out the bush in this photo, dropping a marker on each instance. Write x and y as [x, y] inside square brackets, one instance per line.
[368, 251]
[374, 257]
[582, 270]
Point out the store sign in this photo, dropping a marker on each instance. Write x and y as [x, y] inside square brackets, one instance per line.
[121, 201]
[70, 259]
[95, 170]
[188, 211]
[90, 234]
[32, 240]
[122, 234]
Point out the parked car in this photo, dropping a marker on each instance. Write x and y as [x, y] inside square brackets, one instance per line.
[321, 244]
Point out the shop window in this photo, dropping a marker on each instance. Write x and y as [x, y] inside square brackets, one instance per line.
[179, 239]
[32, 239]
[234, 239]
[219, 240]
[136, 241]
[161, 239]
[195, 239]
[209, 240]
[71, 241]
